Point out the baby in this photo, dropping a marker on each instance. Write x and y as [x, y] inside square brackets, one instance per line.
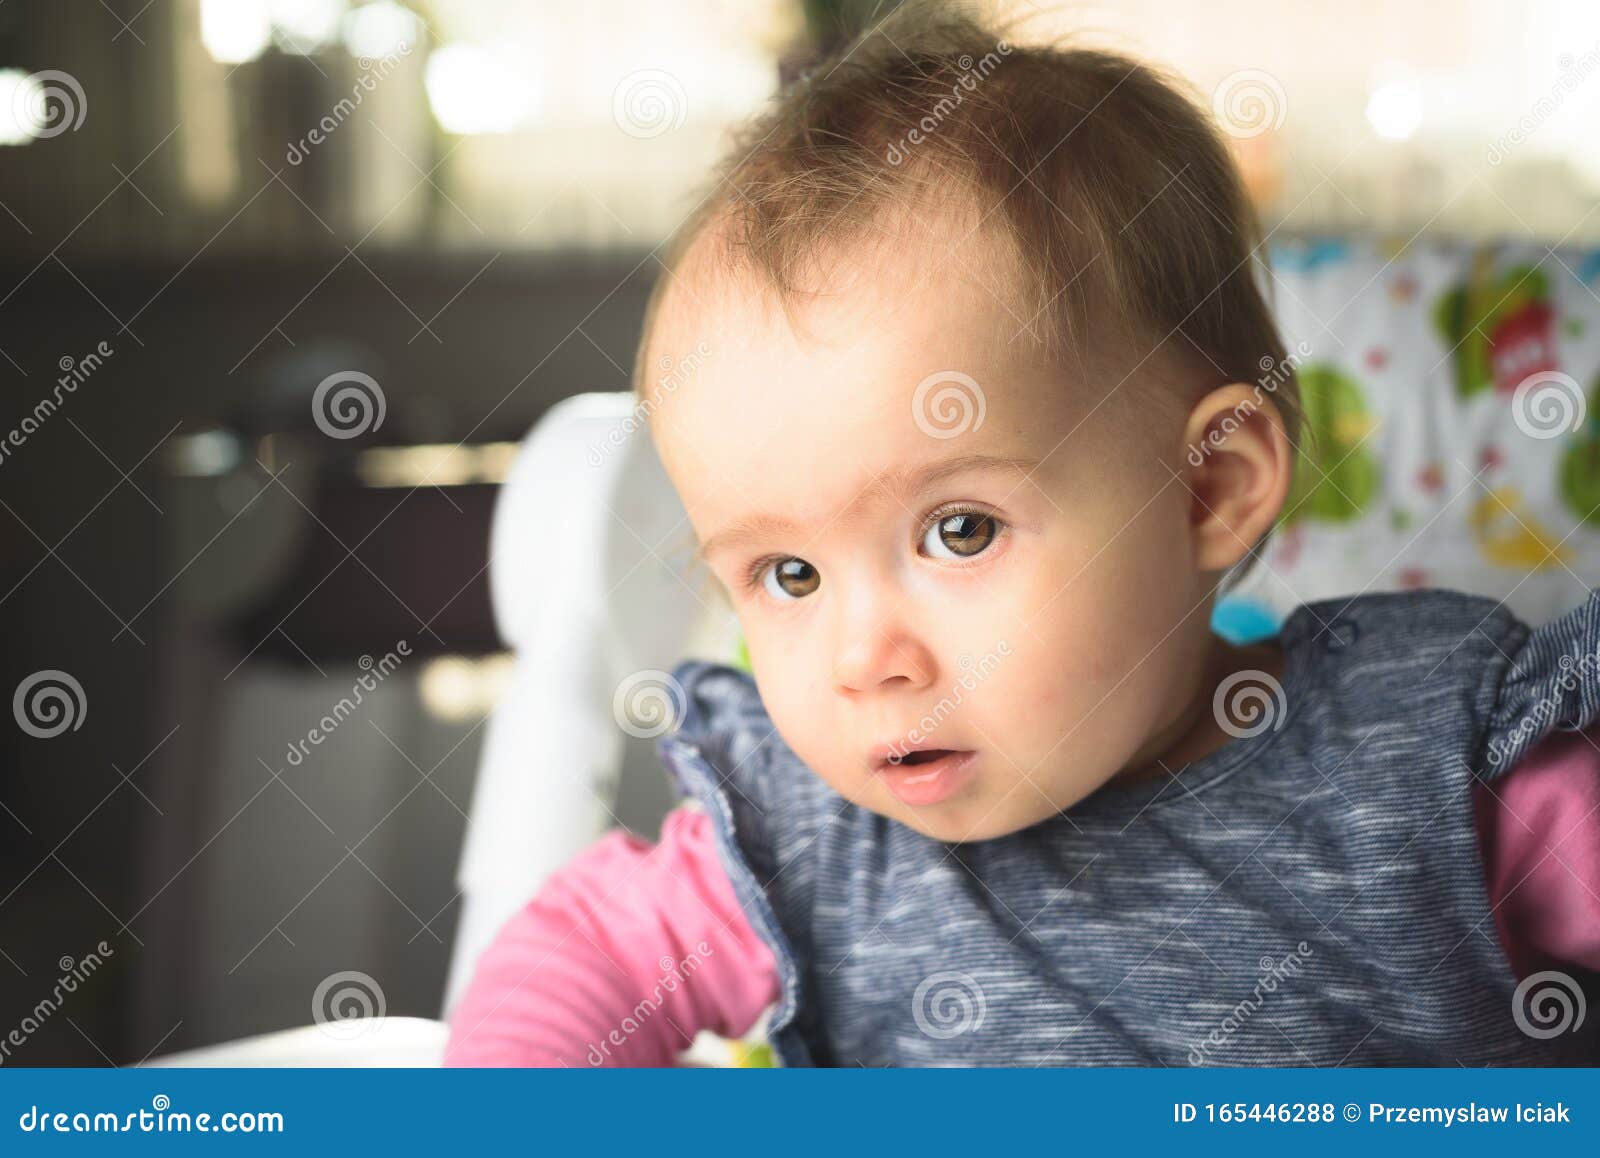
[975, 444]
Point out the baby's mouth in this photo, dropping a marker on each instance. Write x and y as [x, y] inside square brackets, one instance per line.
[925, 776]
[897, 756]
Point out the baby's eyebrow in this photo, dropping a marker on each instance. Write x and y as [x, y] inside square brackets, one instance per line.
[900, 481]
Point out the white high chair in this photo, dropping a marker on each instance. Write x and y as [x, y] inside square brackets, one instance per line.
[590, 578]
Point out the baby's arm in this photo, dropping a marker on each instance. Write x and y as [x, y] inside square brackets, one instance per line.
[625, 954]
[1539, 828]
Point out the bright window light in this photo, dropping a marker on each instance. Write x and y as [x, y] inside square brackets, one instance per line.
[1395, 111]
[381, 29]
[306, 26]
[473, 90]
[19, 96]
[235, 31]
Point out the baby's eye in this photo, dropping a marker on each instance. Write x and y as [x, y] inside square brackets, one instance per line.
[790, 578]
[960, 535]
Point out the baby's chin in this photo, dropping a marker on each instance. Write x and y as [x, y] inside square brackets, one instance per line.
[977, 817]
[988, 801]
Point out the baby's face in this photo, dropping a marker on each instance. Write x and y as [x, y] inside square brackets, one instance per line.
[933, 539]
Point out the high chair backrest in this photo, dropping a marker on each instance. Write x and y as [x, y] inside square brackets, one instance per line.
[591, 578]
[1453, 440]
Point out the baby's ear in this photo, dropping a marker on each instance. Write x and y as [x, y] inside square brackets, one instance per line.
[1238, 465]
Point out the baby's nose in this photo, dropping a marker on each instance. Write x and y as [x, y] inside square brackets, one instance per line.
[880, 657]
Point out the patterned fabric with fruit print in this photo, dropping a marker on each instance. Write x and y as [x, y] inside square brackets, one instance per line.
[1336, 475]
[1579, 480]
[1499, 329]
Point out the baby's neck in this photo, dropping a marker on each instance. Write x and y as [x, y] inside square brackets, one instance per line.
[1197, 733]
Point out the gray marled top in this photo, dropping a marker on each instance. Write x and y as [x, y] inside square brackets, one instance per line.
[1312, 893]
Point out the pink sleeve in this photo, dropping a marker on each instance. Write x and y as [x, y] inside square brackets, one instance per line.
[625, 954]
[1539, 828]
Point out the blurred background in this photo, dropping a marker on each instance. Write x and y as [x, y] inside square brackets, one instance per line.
[211, 210]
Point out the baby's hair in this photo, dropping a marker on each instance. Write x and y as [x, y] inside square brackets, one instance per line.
[1127, 219]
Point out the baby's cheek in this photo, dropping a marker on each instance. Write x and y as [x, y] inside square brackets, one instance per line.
[1048, 685]
[792, 717]
[1083, 691]
[1073, 642]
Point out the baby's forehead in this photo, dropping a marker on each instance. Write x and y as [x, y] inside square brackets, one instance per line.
[891, 259]
[852, 351]
[874, 420]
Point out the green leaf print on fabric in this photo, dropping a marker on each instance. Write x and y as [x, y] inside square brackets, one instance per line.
[1336, 475]
[1579, 480]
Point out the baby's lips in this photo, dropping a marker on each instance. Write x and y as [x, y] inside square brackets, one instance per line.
[881, 756]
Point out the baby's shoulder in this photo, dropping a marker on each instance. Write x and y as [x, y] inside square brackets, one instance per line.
[1407, 644]
[1425, 618]
[1426, 653]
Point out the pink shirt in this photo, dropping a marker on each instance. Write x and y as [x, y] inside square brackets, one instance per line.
[633, 948]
